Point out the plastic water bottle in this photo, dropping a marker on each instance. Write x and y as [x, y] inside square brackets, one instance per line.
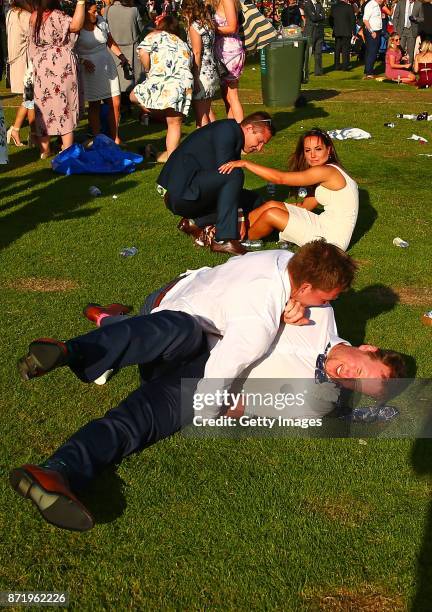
[252, 244]
[403, 244]
[128, 251]
[95, 191]
[302, 192]
[271, 189]
[390, 125]
[373, 414]
[404, 116]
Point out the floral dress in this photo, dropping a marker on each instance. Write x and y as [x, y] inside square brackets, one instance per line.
[55, 75]
[169, 82]
[209, 77]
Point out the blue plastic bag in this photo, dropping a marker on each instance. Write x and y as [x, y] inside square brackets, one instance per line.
[103, 157]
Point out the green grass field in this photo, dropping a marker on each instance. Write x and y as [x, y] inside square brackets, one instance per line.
[219, 524]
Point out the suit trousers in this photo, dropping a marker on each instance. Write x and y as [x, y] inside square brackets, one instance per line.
[314, 46]
[372, 48]
[221, 195]
[342, 45]
[174, 344]
[407, 42]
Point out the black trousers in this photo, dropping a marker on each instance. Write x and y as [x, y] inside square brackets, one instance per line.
[170, 346]
[342, 45]
[221, 195]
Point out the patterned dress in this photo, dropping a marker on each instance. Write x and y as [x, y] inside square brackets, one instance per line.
[209, 77]
[55, 76]
[229, 51]
[169, 82]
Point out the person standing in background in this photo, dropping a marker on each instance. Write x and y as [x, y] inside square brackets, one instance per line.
[126, 26]
[314, 31]
[291, 14]
[18, 27]
[342, 20]
[373, 26]
[406, 19]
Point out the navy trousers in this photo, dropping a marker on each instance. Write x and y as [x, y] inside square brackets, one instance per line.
[221, 195]
[171, 346]
[372, 48]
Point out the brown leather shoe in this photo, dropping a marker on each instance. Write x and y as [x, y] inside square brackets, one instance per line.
[44, 355]
[93, 311]
[232, 247]
[49, 491]
[185, 226]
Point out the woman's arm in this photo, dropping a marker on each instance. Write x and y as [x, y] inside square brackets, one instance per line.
[393, 63]
[231, 18]
[311, 176]
[308, 203]
[196, 43]
[78, 17]
[116, 50]
[144, 59]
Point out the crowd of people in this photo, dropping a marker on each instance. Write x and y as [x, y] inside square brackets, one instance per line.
[167, 57]
[244, 319]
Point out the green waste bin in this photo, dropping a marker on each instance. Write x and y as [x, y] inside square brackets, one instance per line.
[281, 65]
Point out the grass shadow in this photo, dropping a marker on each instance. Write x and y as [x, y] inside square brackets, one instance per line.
[105, 499]
[366, 218]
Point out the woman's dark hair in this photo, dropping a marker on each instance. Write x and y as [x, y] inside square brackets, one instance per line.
[169, 24]
[22, 5]
[42, 6]
[297, 161]
[198, 11]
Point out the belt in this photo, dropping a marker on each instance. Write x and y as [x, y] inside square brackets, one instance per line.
[164, 291]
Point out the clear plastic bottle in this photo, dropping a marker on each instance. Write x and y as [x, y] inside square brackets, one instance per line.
[128, 251]
[252, 244]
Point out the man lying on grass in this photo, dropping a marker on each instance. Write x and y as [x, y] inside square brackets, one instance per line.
[163, 405]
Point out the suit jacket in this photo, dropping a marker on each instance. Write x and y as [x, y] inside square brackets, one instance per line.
[315, 17]
[399, 16]
[342, 19]
[204, 149]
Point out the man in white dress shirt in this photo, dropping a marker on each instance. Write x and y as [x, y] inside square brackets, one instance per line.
[373, 26]
[162, 406]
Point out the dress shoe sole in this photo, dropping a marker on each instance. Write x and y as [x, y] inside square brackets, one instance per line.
[43, 356]
[55, 508]
[124, 310]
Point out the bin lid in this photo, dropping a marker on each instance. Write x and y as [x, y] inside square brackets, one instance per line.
[285, 42]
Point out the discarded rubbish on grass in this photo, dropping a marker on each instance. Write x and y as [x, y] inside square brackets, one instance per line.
[115, 197]
[425, 154]
[426, 318]
[347, 133]
[95, 191]
[252, 244]
[420, 117]
[373, 414]
[419, 138]
[390, 125]
[128, 251]
[400, 243]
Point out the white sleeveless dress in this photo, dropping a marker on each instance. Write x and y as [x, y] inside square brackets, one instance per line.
[336, 223]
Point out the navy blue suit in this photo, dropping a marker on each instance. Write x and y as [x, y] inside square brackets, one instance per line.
[168, 346]
[196, 189]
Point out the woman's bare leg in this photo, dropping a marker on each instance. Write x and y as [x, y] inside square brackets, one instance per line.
[19, 120]
[67, 140]
[230, 94]
[174, 122]
[272, 218]
[114, 117]
[94, 117]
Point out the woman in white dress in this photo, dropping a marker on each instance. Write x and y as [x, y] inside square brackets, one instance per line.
[201, 39]
[314, 164]
[99, 74]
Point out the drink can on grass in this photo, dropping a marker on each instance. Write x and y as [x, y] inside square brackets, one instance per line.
[403, 244]
[129, 252]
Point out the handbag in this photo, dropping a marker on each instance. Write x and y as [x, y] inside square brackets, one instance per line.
[255, 30]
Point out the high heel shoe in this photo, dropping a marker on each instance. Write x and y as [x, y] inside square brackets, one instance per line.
[46, 155]
[10, 136]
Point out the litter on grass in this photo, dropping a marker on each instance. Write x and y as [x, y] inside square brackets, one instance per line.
[347, 133]
[400, 243]
[416, 137]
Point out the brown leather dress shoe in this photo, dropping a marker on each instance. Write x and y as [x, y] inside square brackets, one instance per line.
[232, 247]
[44, 355]
[93, 311]
[49, 491]
[185, 226]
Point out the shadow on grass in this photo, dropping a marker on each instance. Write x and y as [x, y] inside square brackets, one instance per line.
[43, 197]
[355, 308]
[366, 217]
[285, 119]
[421, 462]
[319, 94]
[105, 499]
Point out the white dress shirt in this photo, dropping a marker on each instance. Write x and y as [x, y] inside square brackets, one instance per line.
[372, 14]
[241, 300]
[408, 12]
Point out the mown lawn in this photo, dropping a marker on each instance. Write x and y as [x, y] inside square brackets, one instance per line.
[220, 524]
